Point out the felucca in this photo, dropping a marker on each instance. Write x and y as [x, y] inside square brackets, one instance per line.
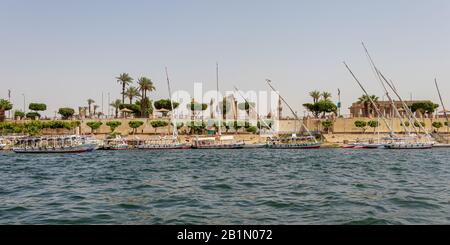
[219, 141]
[294, 141]
[166, 143]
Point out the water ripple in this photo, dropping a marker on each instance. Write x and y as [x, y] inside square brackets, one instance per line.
[258, 186]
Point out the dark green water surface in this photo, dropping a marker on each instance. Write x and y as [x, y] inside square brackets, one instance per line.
[258, 186]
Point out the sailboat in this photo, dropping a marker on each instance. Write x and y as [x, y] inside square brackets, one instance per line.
[219, 141]
[292, 142]
[445, 114]
[251, 107]
[411, 141]
[166, 143]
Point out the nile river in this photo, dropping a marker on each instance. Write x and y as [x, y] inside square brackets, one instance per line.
[259, 186]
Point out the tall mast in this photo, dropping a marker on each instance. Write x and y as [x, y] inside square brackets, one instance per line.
[370, 99]
[252, 107]
[442, 103]
[408, 109]
[218, 103]
[290, 108]
[394, 107]
[175, 126]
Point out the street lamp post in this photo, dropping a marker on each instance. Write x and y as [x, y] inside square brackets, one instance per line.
[23, 103]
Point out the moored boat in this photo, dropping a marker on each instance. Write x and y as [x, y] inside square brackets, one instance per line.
[294, 142]
[54, 144]
[116, 144]
[163, 143]
[220, 142]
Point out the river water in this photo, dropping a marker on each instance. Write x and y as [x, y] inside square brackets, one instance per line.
[254, 186]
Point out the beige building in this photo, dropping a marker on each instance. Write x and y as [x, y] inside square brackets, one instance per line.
[359, 109]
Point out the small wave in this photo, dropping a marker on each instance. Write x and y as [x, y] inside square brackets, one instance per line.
[16, 209]
[370, 221]
[129, 206]
[217, 187]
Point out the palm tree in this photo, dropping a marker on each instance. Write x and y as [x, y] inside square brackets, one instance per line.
[366, 101]
[131, 93]
[90, 102]
[116, 105]
[95, 109]
[145, 84]
[315, 95]
[326, 95]
[124, 79]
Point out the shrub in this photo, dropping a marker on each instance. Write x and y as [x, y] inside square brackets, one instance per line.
[135, 125]
[361, 124]
[37, 107]
[327, 125]
[252, 129]
[19, 114]
[113, 125]
[33, 115]
[66, 113]
[94, 125]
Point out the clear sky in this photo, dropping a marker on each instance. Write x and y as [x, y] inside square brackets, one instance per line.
[64, 52]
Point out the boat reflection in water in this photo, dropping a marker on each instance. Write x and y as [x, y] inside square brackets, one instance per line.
[55, 144]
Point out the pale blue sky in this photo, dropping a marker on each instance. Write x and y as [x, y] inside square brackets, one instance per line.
[64, 52]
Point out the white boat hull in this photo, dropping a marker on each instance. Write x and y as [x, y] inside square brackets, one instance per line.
[68, 149]
[409, 146]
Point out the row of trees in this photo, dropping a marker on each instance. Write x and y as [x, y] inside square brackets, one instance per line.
[193, 127]
[374, 124]
[35, 128]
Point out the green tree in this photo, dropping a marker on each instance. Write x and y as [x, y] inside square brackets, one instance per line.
[66, 113]
[116, 105]
[32, 115]
[36, 107]
[19, 114]
[361, 124]
[90, 102]
[238, 125]
[94, 126]
[416, 123]
[113, 125]
[165, 104]
[424, 107]
[252, 129]
[245, 106]
[158, 124]
[437, 125]
[133, 107]
[135, 125]
[315, 95]
[406, 124]
[131, 93]
[373, 124]
[4, 106]
[327, 125]
[33, 128]
[326, 95]
[145, 85]
[124, 79]
[367, 104]
[197, 127]
[321, 107]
